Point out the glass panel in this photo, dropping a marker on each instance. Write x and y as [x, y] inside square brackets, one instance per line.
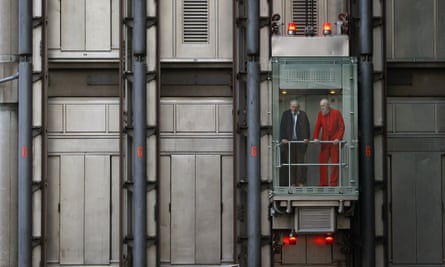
[300, 166]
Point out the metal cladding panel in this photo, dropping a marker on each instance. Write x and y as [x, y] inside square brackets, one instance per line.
[72, 25]
[164, 212]
[183, 209]
[333, 46]
[8, 29]
[115, 188]
[187, 118]
[316, 253]
[53, 200]
[8, 187]
[97, 209]
[440, 29]
[72, 209]
[411, 117]
[295, 254]
[208, 209]
[85, 118]
[98, 30]
[227, 216]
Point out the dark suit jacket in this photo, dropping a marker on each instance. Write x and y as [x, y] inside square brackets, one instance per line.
[303, 128]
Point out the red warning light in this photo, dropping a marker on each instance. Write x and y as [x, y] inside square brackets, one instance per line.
[289, 240]
[291, 28]
[327, 28]
[329, 239]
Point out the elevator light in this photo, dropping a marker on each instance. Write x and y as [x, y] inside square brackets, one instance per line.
[332, 92]
[284, 92]
[329, 239]
[327, 28]
[290, 239]
[291, 28]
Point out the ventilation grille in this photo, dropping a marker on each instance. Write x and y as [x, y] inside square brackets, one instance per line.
[299, 9]
[313, 220]
[196, 21]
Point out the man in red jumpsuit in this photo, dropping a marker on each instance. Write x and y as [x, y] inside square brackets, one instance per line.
[333, 126]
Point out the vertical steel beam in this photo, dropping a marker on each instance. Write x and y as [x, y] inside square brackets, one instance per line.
[139, 135]
[253, 137]
[25, 135]
[366, 119]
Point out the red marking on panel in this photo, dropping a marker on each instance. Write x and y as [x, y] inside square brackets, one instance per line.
[253, 151]
[368, 152]
[139, 152]
[24, 151]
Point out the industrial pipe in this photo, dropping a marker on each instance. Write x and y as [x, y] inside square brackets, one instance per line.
[9, 78]
[25, 135]
[139, 135]
[253, 137]
[25, 166]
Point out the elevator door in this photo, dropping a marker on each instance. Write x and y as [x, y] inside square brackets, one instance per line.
[196, 185]
[83, 182]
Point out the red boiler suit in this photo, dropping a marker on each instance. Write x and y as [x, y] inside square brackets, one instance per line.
[333, 128]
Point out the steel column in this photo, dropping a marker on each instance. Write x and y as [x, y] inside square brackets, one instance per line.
[139, 135]
[366, 121]
[253, 137]
[25, 135]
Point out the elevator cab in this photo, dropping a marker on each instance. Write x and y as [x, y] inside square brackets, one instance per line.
[312, 212]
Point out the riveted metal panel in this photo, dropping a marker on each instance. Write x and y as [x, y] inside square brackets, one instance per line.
[72, 25]
[98, 25]
[8, 186]
[227, 216]
[164, 209]
[208, 209]
[72, 205]
[183, 209]
[97, 209]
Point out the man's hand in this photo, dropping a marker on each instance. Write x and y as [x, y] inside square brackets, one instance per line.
[316, 141]
[306, 141]
[284, 141]
[336, 141]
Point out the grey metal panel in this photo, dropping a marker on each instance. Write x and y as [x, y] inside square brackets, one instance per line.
[8, 28]
[97, 209]
[113, 118]
[318, 253]
[225, 118]
[152, 153]
[115, 188]
[85, 118]
[183, 209]
[166, 26]
[83, 145]
[440, 29]
[53, 11]
[403, 223]
[52, 226]
[227, 216]
[440, 117]
[72, 25]
[410, 117]
[195, 118]
[295, 254]
[98, 25]
[55, 118]
[72, 209]
[164, 212]
[428, 207]
[166, 120]
[197, 144]
[310, 46]
[389, 118]
[8, 187]
[225, 32]
[414, 28]
[208, 209]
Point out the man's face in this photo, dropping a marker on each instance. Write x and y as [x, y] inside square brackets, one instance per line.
[324, 107]
[293, 107]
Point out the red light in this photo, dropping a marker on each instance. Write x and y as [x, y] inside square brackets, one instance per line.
[291, 28]
[327, 28]
[319, 241]
[289, 240]
[329, 239]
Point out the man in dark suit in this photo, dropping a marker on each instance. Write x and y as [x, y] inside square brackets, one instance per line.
[295, 127]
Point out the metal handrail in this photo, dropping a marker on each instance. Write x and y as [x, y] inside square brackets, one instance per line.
[341, 163]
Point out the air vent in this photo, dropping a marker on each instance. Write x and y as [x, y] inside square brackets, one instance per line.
[315, 220]
[196, 21]
[305, 13]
